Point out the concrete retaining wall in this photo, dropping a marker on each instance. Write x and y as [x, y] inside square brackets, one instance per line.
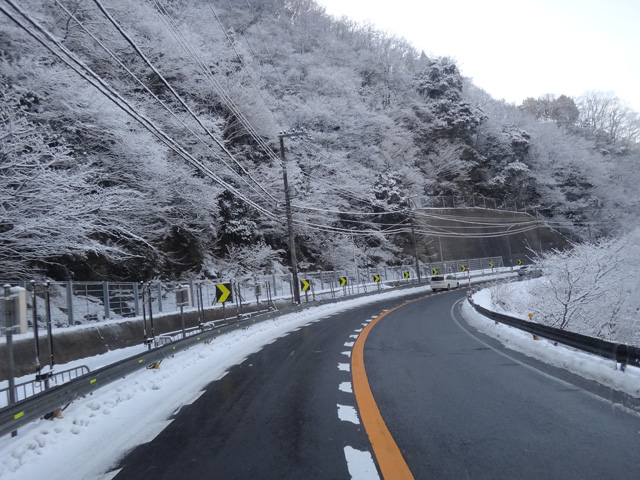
[72, 344]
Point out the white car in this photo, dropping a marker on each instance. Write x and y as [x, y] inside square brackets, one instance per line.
[444, 282]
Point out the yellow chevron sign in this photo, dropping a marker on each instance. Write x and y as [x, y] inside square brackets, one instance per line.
[463, 268]
[304, 285]
[343, 281]
[519, 262]
[376, 278]
[435, 271]
[406, 274]
[223, 293]
[491, 264]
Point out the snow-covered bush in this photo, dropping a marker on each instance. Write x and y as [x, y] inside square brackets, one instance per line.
[585, 290]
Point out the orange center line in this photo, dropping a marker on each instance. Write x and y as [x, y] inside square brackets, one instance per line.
[390, 459]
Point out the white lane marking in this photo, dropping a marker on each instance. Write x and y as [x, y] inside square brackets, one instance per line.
[347, 413]
[360, 464]
[349, 344]
[358, 330]
[346, 387]
[364, 324]
[348, 354]
[353, 336]
[345, 367]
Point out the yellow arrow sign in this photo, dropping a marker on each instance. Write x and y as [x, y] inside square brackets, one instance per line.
[376, 278]
[464, 268]
[491, 264]
[519, 262]
[223, 292]
[343, 281]
[435, 271]
[304, 285]
[406, 274]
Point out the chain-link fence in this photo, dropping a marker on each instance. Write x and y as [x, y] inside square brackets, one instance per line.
[75, 303]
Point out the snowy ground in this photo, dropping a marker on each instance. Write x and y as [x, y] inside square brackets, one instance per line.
[99, 429]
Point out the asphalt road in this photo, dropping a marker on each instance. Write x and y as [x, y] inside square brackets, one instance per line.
[456, 407]
[460, 409]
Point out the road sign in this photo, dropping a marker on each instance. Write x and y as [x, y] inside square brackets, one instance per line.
[519, 262]
[406, 274]
[304, 285]
[463, 268]
[491, 264]
[376, 278]
[343, 281]
[183, 297]
[435, 271]
[223, 293]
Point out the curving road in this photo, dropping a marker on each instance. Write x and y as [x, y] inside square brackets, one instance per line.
[456, 404]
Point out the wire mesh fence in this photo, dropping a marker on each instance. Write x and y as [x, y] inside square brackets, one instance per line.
[76, 303]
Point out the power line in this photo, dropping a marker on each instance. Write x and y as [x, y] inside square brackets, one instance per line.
[67, 57]
[224, 96]
[165, 106]
[171, 89]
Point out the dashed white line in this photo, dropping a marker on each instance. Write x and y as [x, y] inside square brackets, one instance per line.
[347, 413]
[346, 387]
[345, 367]
[353, 336]
[349, 344]
[360, 464]
[348, 354]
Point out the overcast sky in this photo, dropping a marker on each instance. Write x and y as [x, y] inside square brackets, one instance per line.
[515, 49]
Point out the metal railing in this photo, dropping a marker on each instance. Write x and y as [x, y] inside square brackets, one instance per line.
[72, 303]
[41, 383]
[621, 353]
[20, 413]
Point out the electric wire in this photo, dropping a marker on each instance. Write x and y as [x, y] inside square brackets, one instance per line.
[163, 104]
[224, 96]
[67, 57]
[141, 54]
[92, 78]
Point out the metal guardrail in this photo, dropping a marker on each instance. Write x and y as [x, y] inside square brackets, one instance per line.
[37, 406]
[33, 387]
[621, 353]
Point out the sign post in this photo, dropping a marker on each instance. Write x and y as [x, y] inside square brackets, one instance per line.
[304, 286]
[343, 284]
[224, 294]
[183, 298]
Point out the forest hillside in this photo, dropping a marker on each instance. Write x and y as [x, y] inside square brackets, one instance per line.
[142, 139]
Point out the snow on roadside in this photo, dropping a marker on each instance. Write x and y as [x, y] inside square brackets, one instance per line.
[99, 429]
[583, 364]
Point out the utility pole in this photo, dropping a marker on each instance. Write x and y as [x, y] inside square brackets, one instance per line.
[287, 201]
[415, 244]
